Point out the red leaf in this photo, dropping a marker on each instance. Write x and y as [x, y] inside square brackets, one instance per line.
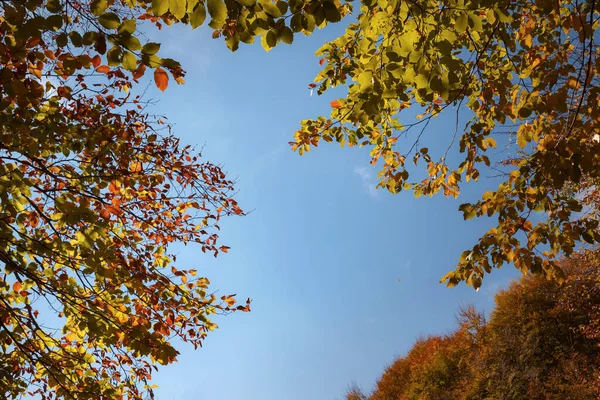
[161, 79]
[139, 72]
[312, 86]
[321, 61]
[335, 104]
[96, 61]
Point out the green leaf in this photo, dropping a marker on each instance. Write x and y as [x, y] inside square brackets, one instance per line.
[332, 14]
[269, 40]
[308, 23]
[296, 22]
[129, 61]
[54, 6]
[61, 40]
[286, 35]
[76, 39]
[421, 81]
[127, 27]
[461, 23]
[282, 6]
[114, 56]
[160, 7]
[178, 8]
[89, 38]
[218, 13]
[468, 211]
[198, 16]
[233, 42]
[109, 20]
[131, 43]
[270, 8]
[525, 111]
[365, 80]
[151, 48]
[475, 22]
[521, 140]
[98, 7]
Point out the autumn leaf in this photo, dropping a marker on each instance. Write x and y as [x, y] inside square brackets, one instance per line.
[17, 286]
[139, 72]
[96, 61]
[104, 213]
[114, 210]
[161, 79]
[71, 336]
[335, 104]
[103, 69]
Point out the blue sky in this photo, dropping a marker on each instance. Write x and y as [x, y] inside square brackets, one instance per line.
[322, 251]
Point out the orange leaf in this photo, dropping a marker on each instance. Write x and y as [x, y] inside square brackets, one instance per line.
[103, 69]
[96, 61]
[335, 104]
[71, 336]
[135, 166]
[161, 79]
[321, 61]
[224, 249]
[104, 213]
[17, 286]
[114, 210]
[230, 301]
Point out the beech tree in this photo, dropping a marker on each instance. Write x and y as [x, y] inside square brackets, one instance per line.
[525, 73]
[93, 190]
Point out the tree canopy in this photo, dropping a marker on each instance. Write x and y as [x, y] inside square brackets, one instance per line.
[525, 74]
[94, 189]
[541, 342]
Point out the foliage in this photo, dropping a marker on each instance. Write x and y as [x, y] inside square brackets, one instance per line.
[527, 75]
[93, 190]
[354, 392]
[541, 342]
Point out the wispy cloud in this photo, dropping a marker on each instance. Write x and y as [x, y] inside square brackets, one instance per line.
[368, 181]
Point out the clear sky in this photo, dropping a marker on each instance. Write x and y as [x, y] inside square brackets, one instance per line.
[322, 251]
